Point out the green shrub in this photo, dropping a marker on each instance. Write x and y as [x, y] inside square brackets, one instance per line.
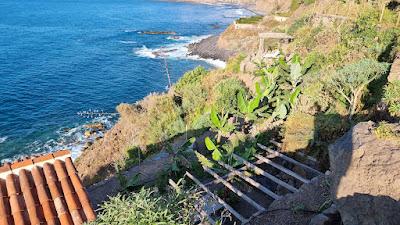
[392, 98]
[199, 120]
[366, 37]
[191, 77]
[225, 93]
[249, 20]
[351, 81]
[163, 120]
[298, 132]
[193, 97]
[148, 207]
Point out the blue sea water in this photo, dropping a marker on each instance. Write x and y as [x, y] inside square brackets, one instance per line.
[61, 57]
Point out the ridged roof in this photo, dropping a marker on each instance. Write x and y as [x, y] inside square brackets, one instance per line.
[43, 190]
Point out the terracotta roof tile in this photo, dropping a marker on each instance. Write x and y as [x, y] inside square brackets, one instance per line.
[21, 164]
[43, 190]
[5, 209]
[5, 168]
[43, 158]
[80, 190]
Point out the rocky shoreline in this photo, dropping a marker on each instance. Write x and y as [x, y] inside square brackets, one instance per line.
[208, 49]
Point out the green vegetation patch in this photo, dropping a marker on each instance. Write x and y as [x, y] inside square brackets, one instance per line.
[387, 131]
[249, 20]
[297, 24]
[225, 94]
[149, 207]
[392, 98]
[192, 77]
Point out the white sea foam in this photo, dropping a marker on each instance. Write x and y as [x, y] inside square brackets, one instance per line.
[73, 139]
[130, 31]
[215, 62]
[3, 139]
[127, 42]
[177, 50]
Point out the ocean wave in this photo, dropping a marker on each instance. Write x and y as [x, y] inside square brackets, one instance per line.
[215, 62]
[75, 138]
[127, 42]
[130, 31]
[178, 50]
[3, 139]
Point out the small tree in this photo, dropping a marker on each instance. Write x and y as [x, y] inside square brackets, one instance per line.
[352, 80]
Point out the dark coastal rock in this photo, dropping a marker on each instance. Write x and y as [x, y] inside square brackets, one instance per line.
[365, 183]
[208, 49]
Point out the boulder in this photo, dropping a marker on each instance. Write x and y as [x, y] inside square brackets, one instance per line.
[319, 219]
[365, 182]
